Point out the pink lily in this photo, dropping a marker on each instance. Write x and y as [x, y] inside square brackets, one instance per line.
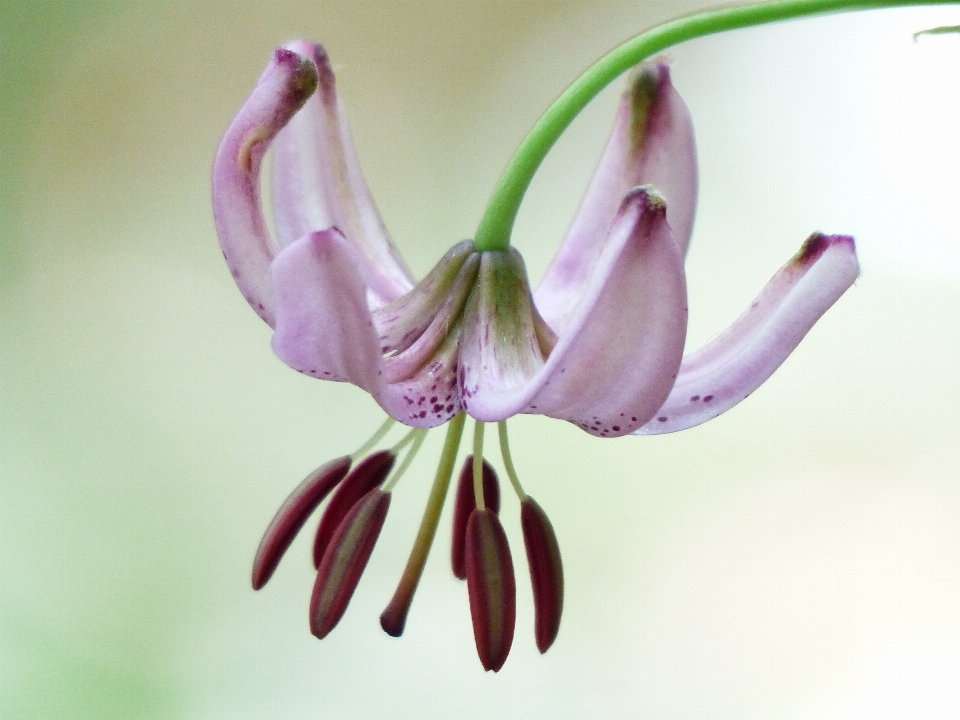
[599, 343]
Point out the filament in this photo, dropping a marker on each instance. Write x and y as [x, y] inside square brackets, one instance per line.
[508, 460]
[416, 437]
[372, 442]
[478, 465]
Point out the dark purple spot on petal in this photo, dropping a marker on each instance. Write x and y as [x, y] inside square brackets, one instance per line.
[616, 428]
[707, 398]
[662, 418]
[694, 398]
[423, 413]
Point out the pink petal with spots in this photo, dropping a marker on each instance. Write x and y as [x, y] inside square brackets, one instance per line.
[726, 370]
[616, 362]
[325, 329]
[247, 244]
[652, 143]
[318, 183]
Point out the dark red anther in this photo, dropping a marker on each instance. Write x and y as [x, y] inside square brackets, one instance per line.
[546, 571]
[465, 503]
[368, 474]
[492, 588]
[292, 515]
[345, 560]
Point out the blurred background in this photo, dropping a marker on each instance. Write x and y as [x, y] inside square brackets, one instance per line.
[797, 558]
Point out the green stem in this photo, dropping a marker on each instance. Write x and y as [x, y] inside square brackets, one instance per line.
[496, 225]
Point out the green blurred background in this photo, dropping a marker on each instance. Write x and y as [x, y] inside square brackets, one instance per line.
[797, 558]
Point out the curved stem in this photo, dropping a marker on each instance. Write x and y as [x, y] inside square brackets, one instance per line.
[496, 225]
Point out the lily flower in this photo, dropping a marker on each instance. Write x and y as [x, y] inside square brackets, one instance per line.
[599, 343]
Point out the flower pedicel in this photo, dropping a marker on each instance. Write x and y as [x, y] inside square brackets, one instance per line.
[599, 342]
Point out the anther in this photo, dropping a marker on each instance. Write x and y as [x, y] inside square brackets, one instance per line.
[464, 504]
[345, 559]
[293, 514]
[362, 479]
[543, 557]
[546, 572]
[492, 588]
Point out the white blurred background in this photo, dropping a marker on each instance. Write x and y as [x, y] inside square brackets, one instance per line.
[797, 558]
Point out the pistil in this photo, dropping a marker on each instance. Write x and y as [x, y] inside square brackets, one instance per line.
[394, 617]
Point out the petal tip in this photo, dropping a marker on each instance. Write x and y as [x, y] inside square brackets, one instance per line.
[652, 199]
[304, 75]
[817, 244]
[646, 82]
[318, 55]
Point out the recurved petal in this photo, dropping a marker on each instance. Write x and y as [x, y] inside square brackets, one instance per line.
[615, 364]
[652, 144]
[735, 363]
[325, 329]
[244, 237]
[318, 183]
[292, 515]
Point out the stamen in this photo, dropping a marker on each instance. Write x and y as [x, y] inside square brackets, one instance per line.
[394, 617]
[367, 475]
[416, 437]
[478, 465]
[406, 440]
[372, 442]
[508, 461]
